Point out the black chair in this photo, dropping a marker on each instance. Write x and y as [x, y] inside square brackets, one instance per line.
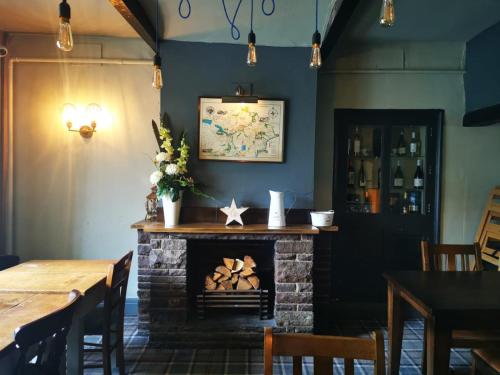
[7, 261]
[108, 318]
[45, 338]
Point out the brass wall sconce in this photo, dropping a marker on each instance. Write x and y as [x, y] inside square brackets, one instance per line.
[88, 123]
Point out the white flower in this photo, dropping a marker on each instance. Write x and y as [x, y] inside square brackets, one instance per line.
[171, 169]
[155, 177]
[161, 156]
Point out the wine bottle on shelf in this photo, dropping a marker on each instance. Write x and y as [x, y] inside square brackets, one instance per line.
[399, 179]
[357, 143]
[418, 178]
[414, 145]
[367, 206]
[348, 146]
[405, 204]
[377, 143]
[401, 144]
[413, 202]
[351, 175]
[362, 175]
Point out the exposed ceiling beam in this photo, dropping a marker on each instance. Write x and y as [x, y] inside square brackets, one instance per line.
[136, 16]
[483, 117]
[340, 16]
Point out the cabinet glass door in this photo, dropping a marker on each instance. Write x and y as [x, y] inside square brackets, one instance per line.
[364, 173]
[408, 170]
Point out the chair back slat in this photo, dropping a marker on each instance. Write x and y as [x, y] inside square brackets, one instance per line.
[323, 365]
[444, 257]
[323, 349]
[297, 365]
[47, 336]
[116, 291]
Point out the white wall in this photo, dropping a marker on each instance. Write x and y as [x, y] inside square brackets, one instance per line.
[425, 76]
[76, 198]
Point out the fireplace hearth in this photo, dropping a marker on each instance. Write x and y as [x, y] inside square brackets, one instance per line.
[173, 264]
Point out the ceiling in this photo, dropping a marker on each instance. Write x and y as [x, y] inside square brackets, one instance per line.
[292, 24]
[424, 20]
[89, 17]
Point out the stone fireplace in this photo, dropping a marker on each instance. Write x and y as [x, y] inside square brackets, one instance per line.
[165, 298]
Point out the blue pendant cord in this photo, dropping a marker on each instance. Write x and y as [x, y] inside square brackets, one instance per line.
[273, 7]
[188, 13]
[235, 31]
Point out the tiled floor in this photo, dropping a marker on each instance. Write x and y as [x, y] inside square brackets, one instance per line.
[143, 360]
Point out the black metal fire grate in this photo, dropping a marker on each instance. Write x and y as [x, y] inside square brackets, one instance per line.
[233, 299]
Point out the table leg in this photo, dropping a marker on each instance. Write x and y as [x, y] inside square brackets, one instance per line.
[438, 347]
[74, 351]
[395, 323]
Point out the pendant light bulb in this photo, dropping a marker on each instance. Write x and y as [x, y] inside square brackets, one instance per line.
[157, 77]
[315, 62]
[64, 35]
[387, 15]
[252, 51]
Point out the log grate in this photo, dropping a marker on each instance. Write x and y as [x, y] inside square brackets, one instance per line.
[233, 299]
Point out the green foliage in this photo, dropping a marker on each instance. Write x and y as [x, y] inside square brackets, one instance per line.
[173, 170]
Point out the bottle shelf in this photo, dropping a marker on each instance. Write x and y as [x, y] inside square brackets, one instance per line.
[369, 157]
[407, 157]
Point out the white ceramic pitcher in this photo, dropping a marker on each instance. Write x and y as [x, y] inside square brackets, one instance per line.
[276, 210]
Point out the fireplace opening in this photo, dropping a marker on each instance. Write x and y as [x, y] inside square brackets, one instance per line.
[230, 279]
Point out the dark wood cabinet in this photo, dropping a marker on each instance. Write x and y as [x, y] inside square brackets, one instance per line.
[384, 207]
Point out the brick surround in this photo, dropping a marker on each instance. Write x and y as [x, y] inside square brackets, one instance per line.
[163, 305]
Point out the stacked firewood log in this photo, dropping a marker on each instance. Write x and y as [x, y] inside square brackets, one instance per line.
[235, 274]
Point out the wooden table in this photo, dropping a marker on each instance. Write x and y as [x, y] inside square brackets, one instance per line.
[17, 309]
[32, 289]
[448, 300]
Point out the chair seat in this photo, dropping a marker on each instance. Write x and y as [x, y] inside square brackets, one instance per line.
[489, 356]
[475, 339]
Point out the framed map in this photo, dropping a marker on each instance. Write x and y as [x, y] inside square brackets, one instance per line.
[244, 132]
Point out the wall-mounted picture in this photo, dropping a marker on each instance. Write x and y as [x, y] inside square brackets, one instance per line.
[243, 132]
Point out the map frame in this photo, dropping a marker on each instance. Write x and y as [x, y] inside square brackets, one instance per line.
[278, 140]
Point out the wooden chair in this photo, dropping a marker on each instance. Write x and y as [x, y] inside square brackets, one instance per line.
[107, 319]
[323, 349]
[485, 362]
[7, 261]
[444, 258]
[45, 338]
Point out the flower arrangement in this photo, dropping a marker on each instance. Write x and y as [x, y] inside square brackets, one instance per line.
[171, 177]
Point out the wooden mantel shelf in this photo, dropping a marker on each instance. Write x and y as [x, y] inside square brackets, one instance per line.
[218, 228]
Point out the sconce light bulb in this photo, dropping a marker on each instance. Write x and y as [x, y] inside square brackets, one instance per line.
[315, 62]
[387, 14]
[68, 115]
[64, 35]
[93, 114]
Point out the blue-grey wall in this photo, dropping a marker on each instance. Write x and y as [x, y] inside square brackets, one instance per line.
[482, 78]
[192, 70]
